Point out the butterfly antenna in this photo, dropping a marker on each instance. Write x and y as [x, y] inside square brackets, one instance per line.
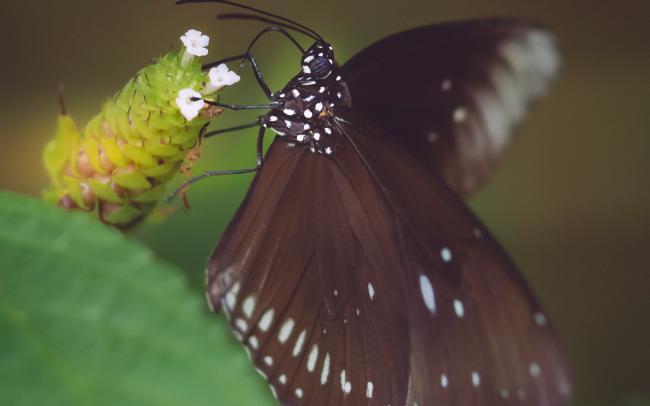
[255, 10]
[240, 16]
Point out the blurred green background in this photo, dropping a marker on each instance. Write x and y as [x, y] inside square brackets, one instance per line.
[570, 203]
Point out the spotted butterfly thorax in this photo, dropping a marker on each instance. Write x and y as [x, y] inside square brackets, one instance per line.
[353, 273]
[306, 99]
[119, 165]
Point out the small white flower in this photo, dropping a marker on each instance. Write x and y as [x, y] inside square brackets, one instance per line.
[195, 43]
[189, 108]
[219, 77]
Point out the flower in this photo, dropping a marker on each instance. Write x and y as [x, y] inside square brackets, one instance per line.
[219, 77]
[222, 76]
[195, 43]
[188, 106]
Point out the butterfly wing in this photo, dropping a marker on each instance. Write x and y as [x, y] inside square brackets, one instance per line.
[477, 334]
[362, 279]
[289, 270]
[453, 92]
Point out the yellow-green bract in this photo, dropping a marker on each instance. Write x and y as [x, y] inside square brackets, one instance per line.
[119, 164]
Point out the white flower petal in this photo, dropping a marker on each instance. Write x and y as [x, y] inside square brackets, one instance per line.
[189, 108]
[195, 42]
[221, 76]
[222, 68]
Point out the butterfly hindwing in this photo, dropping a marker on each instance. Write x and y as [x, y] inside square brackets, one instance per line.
[453, 92]
[477, 334]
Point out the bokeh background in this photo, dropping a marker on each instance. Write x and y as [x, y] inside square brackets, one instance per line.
[570, 203]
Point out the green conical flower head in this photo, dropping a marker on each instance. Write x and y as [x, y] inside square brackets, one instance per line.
[119, 165]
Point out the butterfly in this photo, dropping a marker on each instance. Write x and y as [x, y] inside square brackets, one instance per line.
[352, 272]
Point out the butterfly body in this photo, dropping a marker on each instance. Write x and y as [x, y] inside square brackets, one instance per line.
[306, 102]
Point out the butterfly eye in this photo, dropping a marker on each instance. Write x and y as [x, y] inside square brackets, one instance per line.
[320, 67]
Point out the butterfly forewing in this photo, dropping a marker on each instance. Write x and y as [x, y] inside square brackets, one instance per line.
[453, 92]
[301, 292]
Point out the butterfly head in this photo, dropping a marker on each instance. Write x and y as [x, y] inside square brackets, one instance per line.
[318, 60]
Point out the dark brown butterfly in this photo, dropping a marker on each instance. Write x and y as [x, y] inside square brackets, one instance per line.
[352, 273]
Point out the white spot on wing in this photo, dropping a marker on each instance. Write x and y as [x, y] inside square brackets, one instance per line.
[289, 112]
[534, 369]
[241, 325]
[285, 330]
[459, 308]
[371, 291]
[298, 393]
[282, 379]
[346, 386]
[445, 254]
[268, 360]
[253, 342]
[476, 379]
[231, 300]
[460, 114]
[299, 342]
[313, 357]
[266, 320]
[540, 319]
[248, 307]
[444, 382]
[369, 388]
[426, 289]
[326, 369]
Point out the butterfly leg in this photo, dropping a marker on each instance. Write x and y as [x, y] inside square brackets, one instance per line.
[260, 160]
[231, 129]
[271, 105]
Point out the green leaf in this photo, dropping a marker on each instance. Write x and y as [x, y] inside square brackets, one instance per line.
[88, 317]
